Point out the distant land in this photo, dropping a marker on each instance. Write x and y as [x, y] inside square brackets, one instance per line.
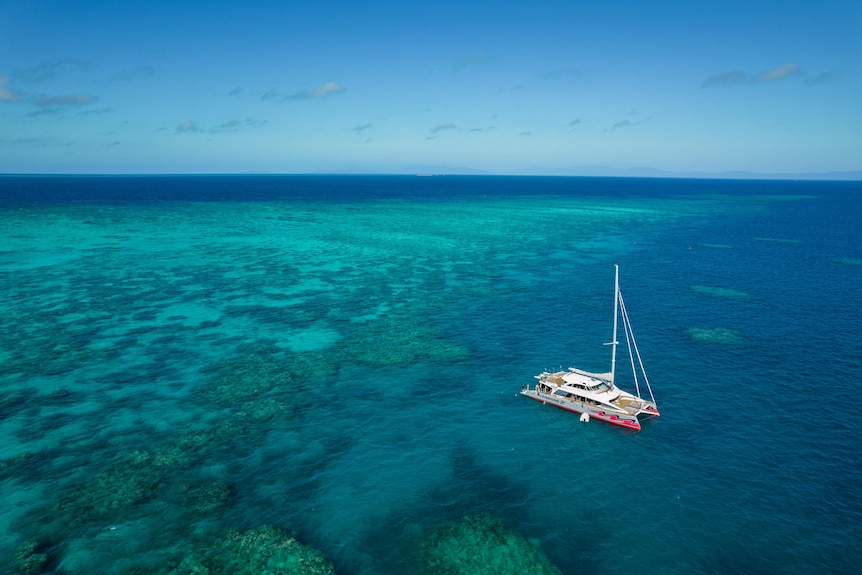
[736, 175]
[600, 171]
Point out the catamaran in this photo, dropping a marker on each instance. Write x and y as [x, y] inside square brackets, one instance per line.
[595, 395]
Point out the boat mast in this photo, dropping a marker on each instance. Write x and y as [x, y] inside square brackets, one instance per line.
[614, 341]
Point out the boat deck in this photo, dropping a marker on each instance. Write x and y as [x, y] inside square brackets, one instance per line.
[630, 405]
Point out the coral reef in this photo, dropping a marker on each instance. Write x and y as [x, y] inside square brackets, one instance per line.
[136, 476]
[481, 544]
[208, 497]
[28, 561]
[245, 377]
[265, 549]
[395, 342]
[130, 479]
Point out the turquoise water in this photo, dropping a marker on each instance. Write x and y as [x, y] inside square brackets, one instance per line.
[340, 357]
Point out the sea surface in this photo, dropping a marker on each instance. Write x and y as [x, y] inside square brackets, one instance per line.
[340, 357]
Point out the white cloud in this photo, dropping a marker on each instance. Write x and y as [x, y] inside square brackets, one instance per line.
[6, 94]
[324, 90]
[236, 125]
[727, 78]
[626, 123]
[820, 78]
[187, 127]
[736, 77]
[778, 73]
[191, 126]
[469, 60]
[327, 89]
[46, 105]
[269, 94]
[231, 125]
[442, 128]
[63, 101]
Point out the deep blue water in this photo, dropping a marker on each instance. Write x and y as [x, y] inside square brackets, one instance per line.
[340, 356]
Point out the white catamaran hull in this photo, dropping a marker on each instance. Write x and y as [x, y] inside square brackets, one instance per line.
[623, 420]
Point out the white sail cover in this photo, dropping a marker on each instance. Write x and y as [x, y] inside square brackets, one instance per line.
[603, 376]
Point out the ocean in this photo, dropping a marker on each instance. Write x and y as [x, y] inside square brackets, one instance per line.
[207, 374]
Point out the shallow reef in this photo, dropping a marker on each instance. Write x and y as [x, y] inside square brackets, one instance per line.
[267, 549]
[250, 389]
[482, 545]
[133, 477]
[848, 261]
[721, 292]
[207, 497]
[28, 559]
[403, 341]
[138, 475]
[718, 335]
[256, 370]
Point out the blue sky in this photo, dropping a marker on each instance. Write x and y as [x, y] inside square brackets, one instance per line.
[503, 87]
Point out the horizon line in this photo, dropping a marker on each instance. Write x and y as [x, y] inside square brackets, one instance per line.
[846, 176]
